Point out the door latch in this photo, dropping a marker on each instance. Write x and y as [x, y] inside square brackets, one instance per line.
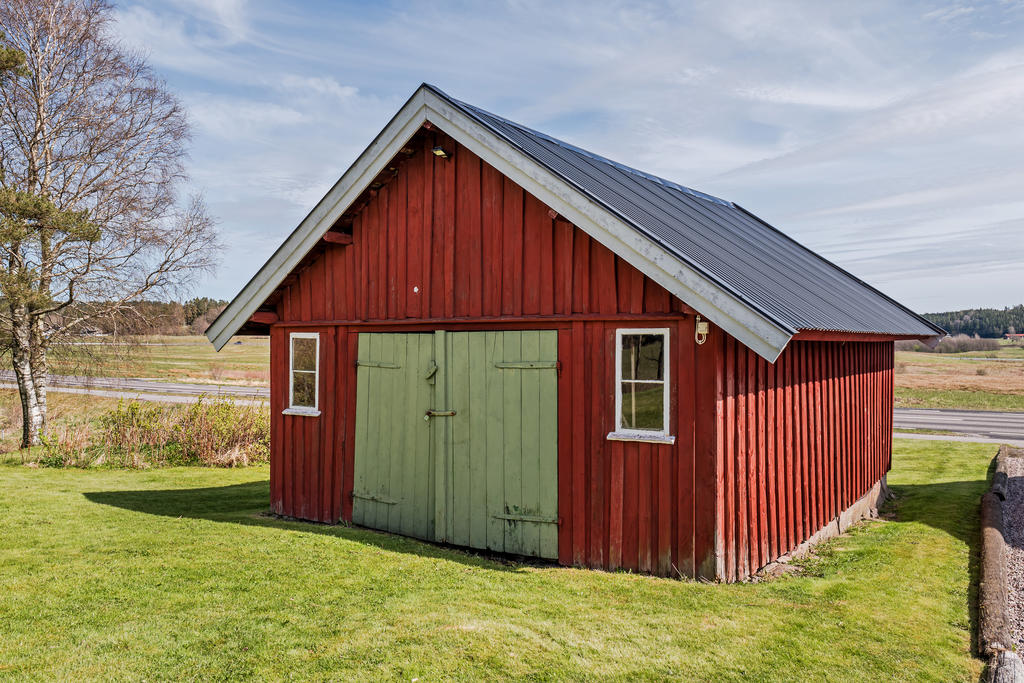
[431, 371]
[437, 413]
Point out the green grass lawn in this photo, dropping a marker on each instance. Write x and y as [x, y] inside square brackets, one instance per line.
[958, 399]
[177, 574]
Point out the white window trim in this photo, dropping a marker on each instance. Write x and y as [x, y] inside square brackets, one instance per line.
[293, 409]
[644, 435]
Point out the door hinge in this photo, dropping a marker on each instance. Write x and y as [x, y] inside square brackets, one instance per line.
[374, 497]
[527, 364]
[537, 519]
[377, 364]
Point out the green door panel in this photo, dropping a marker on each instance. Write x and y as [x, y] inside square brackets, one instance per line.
[503, 471]
[393, 483]
[484, 477]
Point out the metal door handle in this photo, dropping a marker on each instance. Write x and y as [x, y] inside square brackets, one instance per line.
[438, 413]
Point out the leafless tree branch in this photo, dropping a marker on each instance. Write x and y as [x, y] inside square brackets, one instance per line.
[92, 131]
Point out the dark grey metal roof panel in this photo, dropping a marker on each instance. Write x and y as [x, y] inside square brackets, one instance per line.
[774, 274]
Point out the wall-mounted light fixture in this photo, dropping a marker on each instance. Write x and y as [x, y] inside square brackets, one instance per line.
[700, 332]
[439, 151]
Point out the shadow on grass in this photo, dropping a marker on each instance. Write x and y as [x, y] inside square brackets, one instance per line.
[955, 508]
[246, 504]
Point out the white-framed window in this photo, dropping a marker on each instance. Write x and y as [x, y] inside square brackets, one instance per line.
[642, 385]
[303, 373]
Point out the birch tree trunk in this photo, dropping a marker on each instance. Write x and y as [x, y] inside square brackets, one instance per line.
[33, 413]
[40, 368]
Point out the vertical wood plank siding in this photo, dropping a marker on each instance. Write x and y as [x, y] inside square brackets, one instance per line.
[815, 429]
[422, 250]
[453, 241]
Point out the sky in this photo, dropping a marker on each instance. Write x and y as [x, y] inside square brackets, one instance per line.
[886, 136]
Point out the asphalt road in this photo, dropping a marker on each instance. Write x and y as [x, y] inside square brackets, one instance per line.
[1003, 427]
[145, 389]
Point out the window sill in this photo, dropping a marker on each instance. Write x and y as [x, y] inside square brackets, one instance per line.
[305, 412]
[642, 438]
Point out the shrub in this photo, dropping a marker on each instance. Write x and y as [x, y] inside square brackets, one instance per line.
[136, 434]
[961, 343]
[214, 432]
[68, 446]
[220, 432]
[911, 345]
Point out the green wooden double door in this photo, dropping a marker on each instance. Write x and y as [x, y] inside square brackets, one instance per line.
[456, 438]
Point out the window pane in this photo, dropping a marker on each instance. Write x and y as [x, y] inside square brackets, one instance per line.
[304, 389]
[303, 353]
[643, 356]
[643, 406]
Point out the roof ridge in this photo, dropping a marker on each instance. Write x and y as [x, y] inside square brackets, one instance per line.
[596, 157]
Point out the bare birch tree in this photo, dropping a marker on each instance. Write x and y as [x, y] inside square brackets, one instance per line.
[92, 146]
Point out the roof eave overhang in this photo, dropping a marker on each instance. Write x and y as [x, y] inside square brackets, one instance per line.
[749, 326]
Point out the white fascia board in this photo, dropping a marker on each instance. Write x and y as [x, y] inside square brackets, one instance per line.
[348, 188]
[759, 333]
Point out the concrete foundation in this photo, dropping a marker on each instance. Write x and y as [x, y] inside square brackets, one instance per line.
[866, 507]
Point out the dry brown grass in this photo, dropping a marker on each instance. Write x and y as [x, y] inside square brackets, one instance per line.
[949, 373]
[66, 411]
[191, 359]
[223, 375]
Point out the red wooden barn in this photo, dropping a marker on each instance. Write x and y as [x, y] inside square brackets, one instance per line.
[487, 337]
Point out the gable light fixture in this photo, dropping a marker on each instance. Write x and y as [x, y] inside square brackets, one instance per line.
[440, 151]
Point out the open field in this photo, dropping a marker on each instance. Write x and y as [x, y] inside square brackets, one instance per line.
[245, 360]
[176, 573]
[979, 380]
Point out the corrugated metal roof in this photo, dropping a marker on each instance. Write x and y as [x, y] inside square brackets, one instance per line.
[771, 272]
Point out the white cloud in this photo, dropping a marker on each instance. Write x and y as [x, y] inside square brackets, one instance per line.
[817, 96]
[234, 118]
[230, 17]
[948, 13]
[885, 135]
[321, 85]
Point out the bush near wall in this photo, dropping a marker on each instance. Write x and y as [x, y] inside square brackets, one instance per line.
[212, 432]
[961, 343]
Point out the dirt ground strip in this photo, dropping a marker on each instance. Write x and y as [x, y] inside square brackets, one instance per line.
[1013, 512]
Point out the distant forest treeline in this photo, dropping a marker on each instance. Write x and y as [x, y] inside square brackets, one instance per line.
[159, 317]
[984, 322]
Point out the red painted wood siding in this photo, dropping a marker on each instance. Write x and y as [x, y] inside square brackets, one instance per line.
[306, 453]
[421, 250]
[747, 483]
[796, 443]
[492, 250]
[623, 504]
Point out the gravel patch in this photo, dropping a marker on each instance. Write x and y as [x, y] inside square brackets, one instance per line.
[1013, 516]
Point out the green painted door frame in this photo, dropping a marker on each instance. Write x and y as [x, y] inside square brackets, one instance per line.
[473, 416]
